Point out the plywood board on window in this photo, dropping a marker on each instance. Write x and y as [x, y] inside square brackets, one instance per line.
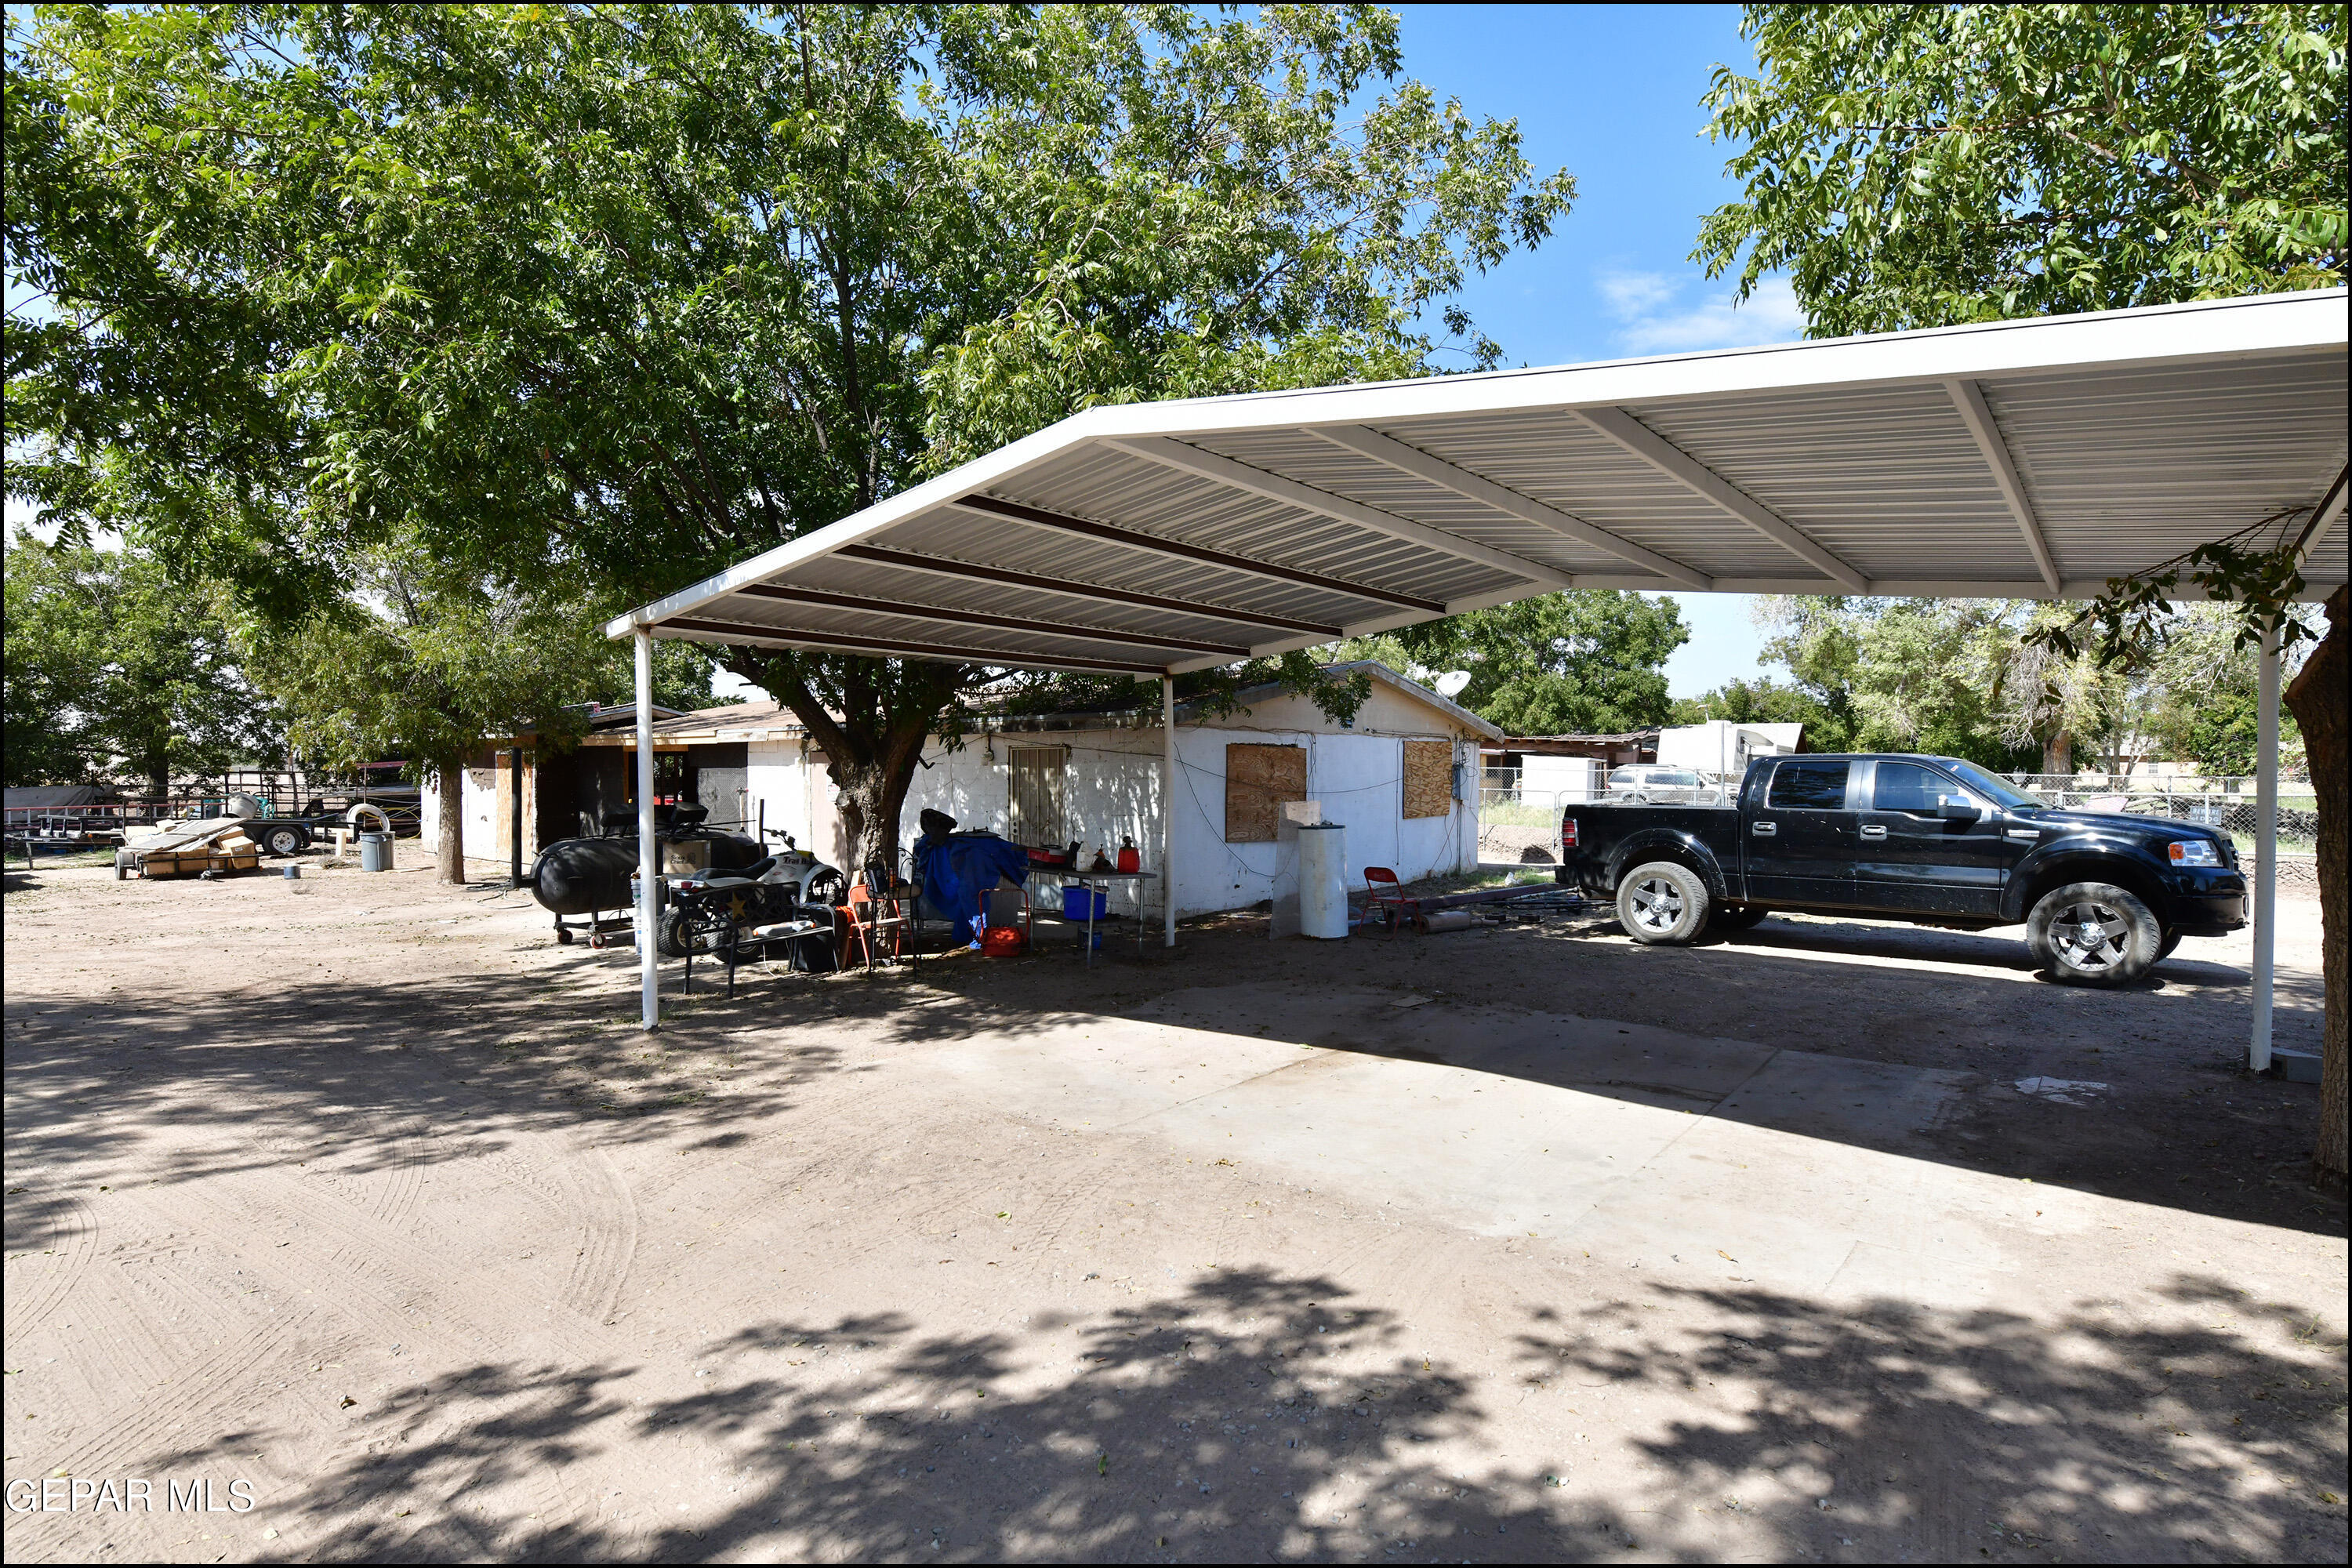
[1428, 778]
[1258, 779]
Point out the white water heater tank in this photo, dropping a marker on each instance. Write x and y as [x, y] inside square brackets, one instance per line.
[1322, 879]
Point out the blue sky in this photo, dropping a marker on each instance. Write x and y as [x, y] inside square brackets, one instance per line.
[1611, 93]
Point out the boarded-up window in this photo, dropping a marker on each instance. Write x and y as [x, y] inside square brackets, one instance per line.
[1428, 778]
[1258, 779]
[1036, 814]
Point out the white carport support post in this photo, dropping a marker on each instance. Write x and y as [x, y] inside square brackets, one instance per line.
[1167, 810]
[648, 851]
[2258, 1049]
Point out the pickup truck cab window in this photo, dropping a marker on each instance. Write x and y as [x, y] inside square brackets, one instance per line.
[1909, 787]
[1815, 786]
[1998, 790]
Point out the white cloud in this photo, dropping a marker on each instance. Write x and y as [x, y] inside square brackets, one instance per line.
[1655, 314]
[1631, 294]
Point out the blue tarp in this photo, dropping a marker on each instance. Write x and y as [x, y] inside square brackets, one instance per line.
[956, 872]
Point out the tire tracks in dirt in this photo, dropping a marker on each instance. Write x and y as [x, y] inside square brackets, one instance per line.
[124, 1444]
[73, 1241]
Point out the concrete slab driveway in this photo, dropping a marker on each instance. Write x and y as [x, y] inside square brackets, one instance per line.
[441, 1259]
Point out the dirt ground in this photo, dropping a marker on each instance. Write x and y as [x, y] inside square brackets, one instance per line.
[364, 1195]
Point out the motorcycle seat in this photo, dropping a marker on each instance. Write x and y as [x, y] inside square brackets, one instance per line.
[740, 876]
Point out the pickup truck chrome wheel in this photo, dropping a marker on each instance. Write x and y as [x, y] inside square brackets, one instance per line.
[1662, 902]
[2094, 933]
[2091, 937]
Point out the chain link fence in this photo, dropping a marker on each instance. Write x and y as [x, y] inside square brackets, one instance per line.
[2223, 802]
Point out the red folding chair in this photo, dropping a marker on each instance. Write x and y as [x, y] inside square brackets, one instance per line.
[1394, 907]
[874, 927]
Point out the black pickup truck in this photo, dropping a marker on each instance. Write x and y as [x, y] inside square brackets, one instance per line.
[1931, 840]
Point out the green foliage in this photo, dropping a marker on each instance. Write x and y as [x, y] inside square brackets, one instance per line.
[427, 663]
[610, 298]
[1924, 681]
[112, 669]
[1819, 640]
[1584, 662]
[1922, 166]
[2201, 687]
[1930, 675]
[1762, 702]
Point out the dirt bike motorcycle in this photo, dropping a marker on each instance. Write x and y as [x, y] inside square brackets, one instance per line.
[596, 878]
[791, 883]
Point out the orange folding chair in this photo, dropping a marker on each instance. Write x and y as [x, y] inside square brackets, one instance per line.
[875, 926]
[1383, 892]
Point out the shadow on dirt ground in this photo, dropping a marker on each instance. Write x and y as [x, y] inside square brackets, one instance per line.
[1203, 1426]
[184, 1086]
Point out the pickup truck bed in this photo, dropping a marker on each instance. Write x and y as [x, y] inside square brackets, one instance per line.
[1930, 839]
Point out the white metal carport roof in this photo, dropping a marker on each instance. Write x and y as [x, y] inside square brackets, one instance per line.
[2032, 458]
[2027, 459]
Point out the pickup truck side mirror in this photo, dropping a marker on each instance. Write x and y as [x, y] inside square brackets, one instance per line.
[1956, 808]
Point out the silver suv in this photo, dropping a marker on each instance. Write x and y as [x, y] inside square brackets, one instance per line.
[1650, 783]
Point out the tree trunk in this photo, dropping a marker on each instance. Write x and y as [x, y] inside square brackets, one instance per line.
[2058, 754]
[2321, 700]
[451, 847]
[871, 754]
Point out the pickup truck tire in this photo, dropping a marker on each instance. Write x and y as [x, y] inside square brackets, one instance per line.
[1736, 917]
[1661, 903]
[2094, 933]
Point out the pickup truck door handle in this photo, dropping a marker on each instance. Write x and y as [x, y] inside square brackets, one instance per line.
[1763, 829]
[1873, 830]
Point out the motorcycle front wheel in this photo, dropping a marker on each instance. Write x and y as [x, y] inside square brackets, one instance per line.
[685, 928]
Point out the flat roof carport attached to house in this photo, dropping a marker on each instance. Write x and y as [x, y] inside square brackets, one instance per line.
[2030, 458]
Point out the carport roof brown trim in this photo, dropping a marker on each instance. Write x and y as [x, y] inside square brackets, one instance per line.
[2085, 447]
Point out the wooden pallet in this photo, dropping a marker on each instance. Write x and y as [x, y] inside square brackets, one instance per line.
[192, 849]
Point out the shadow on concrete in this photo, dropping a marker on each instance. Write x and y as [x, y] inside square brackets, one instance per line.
[1918, 1063]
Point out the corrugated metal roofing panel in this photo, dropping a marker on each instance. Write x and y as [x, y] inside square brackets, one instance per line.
[1314, 461]
[1154, 499]
[2127, 469]
[847, 574]
[1888, 479]
[2135, 435]
[1556, 459]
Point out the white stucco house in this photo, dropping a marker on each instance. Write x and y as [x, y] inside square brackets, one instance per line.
[1402, 777]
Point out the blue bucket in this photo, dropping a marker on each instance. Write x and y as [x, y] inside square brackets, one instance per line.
[1077, 903]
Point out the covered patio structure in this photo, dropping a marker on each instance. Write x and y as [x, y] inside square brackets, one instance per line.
[2013, 459]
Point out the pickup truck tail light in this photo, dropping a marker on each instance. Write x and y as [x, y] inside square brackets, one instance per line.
[1567, 833]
